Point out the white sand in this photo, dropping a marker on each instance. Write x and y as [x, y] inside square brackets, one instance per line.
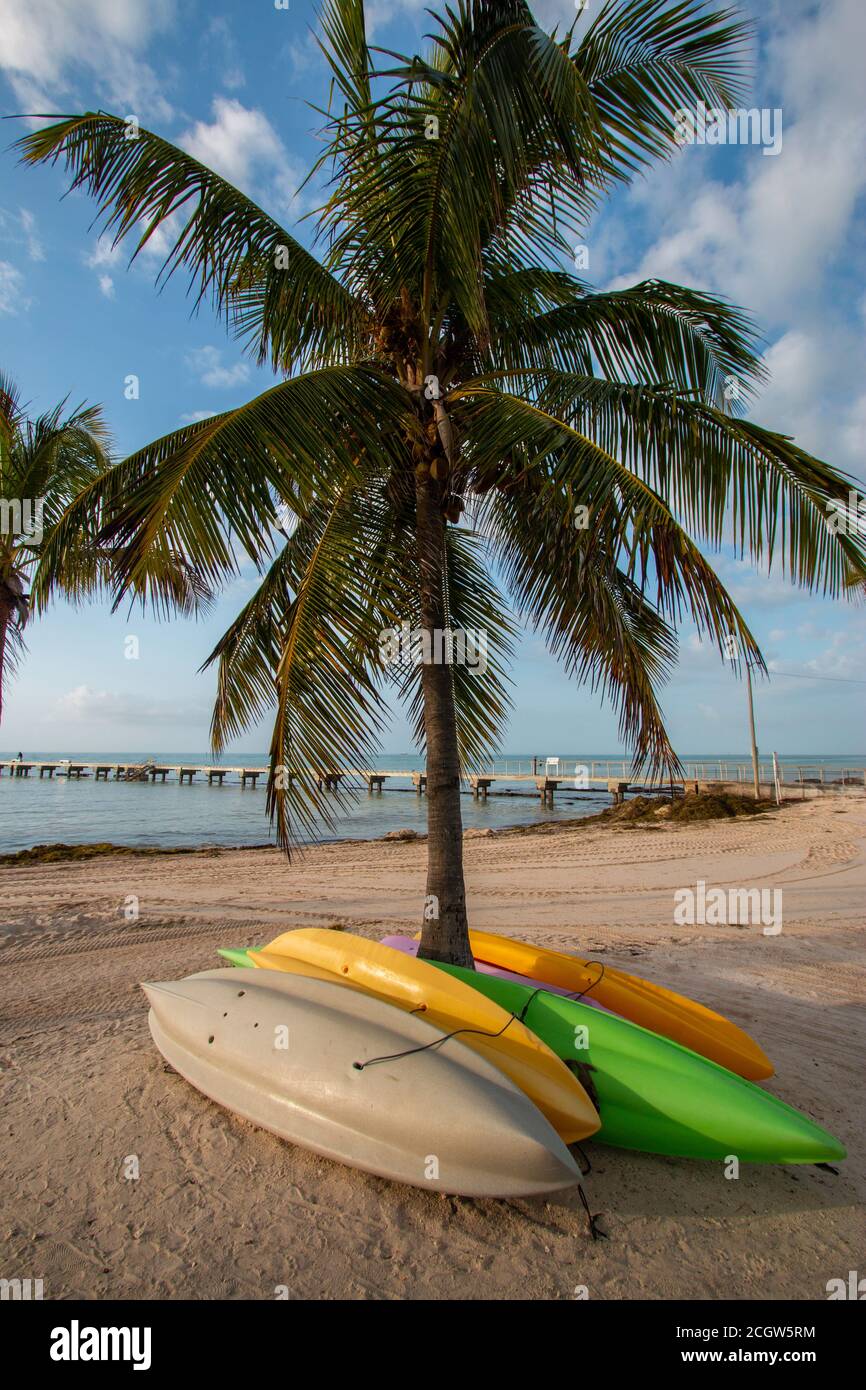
[224, 1210]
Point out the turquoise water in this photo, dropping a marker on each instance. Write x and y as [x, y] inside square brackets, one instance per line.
[41, 811]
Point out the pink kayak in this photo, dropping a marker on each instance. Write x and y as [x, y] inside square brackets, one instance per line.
[409, 946]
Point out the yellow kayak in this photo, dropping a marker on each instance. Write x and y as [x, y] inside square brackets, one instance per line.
[653, 1007]
[449, 1005]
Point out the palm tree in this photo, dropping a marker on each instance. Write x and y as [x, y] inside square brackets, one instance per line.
[456, 413]
[45, 464]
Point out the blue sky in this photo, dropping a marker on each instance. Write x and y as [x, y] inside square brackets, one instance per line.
[782, 235]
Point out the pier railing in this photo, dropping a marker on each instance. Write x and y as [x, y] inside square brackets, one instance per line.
[716, 770]
[548, 774]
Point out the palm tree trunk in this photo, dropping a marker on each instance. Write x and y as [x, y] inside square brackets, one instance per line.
[445, 930]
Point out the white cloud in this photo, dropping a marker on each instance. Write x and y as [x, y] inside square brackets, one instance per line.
[241, 144]
[752, 588]
[235, 142]
[776, 237]
[843, 657]
[22, 231]
[103, 254]
[194, 417]
[812, 392]
[853, 431]
[104, 258]
[49, 47]
[306, 58]
[31, 236]
[84, 705]
[770, 236]
[560, 14]
[207, 364]
[380, 13]
[12, 297]
[222, 50]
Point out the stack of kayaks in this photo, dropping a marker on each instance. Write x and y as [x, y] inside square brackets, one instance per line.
[471, 1081]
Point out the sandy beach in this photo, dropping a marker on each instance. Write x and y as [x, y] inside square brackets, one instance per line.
[221, 1209]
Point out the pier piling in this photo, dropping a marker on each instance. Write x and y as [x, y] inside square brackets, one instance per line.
[546, 786]
[480, 786]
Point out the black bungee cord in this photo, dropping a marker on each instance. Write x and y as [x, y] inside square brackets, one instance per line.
[437, 1042]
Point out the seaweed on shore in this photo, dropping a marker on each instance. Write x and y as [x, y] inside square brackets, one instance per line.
[647, 813]
[56, 853]
[695, 806]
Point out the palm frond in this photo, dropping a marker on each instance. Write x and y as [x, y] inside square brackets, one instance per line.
[645, 60]
[419, 215]
[213, 488]
[721, 476]
[329, 707]
[479, 614]
[653, 334]
[280, 300]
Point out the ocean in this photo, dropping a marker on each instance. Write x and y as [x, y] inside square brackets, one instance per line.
[36, 810]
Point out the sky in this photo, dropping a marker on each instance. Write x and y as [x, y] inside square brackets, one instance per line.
[782, 235]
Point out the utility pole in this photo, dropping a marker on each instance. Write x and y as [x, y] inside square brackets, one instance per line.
[755, 768]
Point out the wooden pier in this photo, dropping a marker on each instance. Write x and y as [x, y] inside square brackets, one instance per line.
[548, 776]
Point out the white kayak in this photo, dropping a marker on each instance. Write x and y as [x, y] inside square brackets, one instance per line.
[289, 1053]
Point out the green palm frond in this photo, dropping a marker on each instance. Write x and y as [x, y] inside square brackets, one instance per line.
[248, 654]
[478, 612]
[10, 415]
[655, 333]
[277, 296]
[214, 487]
[434, 203]
[329, 706]
[309, 645]
[716, 473]
[44, 463]
[585, 590]
[645, 60]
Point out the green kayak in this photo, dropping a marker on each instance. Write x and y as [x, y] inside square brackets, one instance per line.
[235, 957]
[652, 1094]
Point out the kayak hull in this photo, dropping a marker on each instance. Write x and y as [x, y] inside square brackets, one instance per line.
[660, 1010]
[409, 946]
[441, 1117]
[657, 1096]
